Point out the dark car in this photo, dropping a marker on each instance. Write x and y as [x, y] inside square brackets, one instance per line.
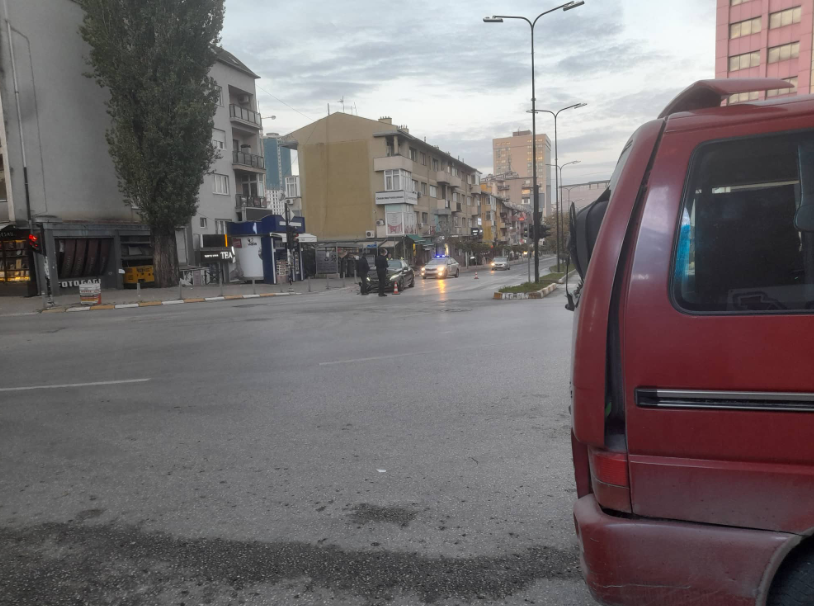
[397, 271]
[441, 267]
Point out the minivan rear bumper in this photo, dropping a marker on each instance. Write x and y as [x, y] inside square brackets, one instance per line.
[629, 561]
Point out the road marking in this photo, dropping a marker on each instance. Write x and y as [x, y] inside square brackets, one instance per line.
[74, 309]
[174, 302]
[66, 385]
[127, 306]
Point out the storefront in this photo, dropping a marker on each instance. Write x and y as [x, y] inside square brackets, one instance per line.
[18, 276]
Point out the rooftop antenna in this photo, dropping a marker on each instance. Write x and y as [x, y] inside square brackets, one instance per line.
[354, 108]
[342, 101]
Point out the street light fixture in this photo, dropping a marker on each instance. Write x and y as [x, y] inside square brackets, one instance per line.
[559, 189]
[499, 19]
[557, 162]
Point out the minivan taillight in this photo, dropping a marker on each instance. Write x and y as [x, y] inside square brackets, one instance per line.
[609, 479]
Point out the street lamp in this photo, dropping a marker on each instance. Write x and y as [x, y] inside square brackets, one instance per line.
[557, 216]
[556, 162]
[499, 19]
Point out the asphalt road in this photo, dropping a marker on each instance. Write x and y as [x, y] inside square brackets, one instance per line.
[317, 449]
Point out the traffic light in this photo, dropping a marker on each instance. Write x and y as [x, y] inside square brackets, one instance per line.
[295, 239]
[545, 231]
[290, 231]
[35, 240]
[525, 231]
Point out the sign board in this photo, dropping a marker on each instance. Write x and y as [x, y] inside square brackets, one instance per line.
[214, 256]
[396, 197]
[327, 262]
[90, 293]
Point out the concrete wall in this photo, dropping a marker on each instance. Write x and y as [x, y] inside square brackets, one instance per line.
[71, 175]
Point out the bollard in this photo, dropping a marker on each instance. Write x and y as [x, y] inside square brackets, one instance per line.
[343, 280]
[138, 290]
[180, 294]
[327, 285]
[220, 281]
[309, 283]
[254, 287]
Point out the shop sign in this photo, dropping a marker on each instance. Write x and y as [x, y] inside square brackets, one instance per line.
[213, 256]
[80, 283]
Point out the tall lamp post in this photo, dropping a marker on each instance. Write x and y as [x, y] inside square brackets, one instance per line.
[557, 217]
[499, 19]
[557, 162]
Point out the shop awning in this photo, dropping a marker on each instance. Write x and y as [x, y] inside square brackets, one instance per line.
[416, 239]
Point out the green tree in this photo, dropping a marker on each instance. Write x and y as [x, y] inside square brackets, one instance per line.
[551, 241]
[154, 57]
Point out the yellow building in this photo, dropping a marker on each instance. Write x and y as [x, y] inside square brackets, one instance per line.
[364, 179]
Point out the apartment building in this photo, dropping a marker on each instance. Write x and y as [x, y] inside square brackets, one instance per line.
[766, 38]
[518, 191]
[362, 178]
[237, 178]
[511, 158]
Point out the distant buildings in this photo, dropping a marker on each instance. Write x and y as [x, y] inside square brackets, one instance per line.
[512, 161]
[278, 162]
[766, 39]
[361, 178]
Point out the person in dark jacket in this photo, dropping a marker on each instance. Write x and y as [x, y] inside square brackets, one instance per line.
[362, 268]
[381, 270]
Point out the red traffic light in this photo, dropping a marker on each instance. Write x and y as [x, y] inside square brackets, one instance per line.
[34, 242]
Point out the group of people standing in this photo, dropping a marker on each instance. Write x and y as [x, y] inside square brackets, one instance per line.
[363, 268]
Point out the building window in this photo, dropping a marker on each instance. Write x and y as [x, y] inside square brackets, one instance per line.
[292, 187]
[414, 183]
[395, 180]
[435, 164]
[425, 217]
[413, 154]
[219, 138]
[744, 61]
[220, 96]
[745, 28]
[220, 184]
[786, 17]
[784, 91]
[743, 97]
[785, 52]
[455, 196]
[220, 226]
[423, 159]
[424, 188]
[433, 191]
[202, 222]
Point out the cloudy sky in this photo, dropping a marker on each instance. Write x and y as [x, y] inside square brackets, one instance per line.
[437, 68]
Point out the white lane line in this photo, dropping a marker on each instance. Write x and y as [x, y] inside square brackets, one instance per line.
[95, 384]
[404, 355]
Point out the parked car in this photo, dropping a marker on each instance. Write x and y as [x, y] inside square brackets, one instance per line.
[692, 386]
[441, 267]
[500, 263]
[397, 271]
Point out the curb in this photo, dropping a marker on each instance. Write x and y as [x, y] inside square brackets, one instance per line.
[540, 294]
[160, 303]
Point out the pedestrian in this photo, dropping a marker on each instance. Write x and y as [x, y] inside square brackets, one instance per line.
[362, 268]
[381, 270]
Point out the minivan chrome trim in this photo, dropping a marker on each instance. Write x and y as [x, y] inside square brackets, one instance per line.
[725, 400]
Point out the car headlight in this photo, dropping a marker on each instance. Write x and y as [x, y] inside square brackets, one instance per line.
[394, 278]
[493, 264]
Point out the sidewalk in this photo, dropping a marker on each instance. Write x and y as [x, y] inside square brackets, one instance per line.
[10, 306]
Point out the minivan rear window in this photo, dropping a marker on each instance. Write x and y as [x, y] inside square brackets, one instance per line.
[738, 250]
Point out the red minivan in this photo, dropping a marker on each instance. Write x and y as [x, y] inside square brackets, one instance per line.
[693, 357]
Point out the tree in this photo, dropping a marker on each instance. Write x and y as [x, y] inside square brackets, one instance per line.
[154, 57]
[551, 240]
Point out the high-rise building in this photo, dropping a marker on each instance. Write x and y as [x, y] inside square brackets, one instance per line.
[766, 39]
[278, 161]
[511, 158]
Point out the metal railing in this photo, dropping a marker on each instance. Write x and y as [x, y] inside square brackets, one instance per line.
[245, 114]
[247, 159]
[250, 201]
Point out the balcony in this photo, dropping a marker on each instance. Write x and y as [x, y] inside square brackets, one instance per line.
[248, 162]
[457, 208]
[245, 116]
[443, 176]
[392, 163]
[249, 201]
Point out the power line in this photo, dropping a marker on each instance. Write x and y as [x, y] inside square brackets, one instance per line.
[284, 103]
